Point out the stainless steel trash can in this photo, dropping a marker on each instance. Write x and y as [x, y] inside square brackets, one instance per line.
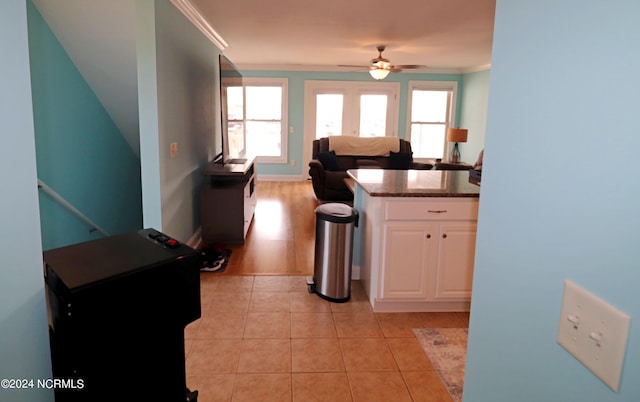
[331, 279]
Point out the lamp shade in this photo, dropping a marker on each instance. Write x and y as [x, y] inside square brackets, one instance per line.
[378, 73]
[457, 135]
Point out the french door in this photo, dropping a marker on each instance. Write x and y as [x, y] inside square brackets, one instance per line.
[353, 108]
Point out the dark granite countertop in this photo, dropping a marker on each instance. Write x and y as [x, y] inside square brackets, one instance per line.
[415, 183]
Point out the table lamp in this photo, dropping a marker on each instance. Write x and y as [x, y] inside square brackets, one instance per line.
[456, 135]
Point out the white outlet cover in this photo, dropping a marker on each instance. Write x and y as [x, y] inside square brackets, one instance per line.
[594, 332]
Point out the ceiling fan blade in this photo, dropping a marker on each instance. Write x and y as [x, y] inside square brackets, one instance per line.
[349, 65]
[409, 66]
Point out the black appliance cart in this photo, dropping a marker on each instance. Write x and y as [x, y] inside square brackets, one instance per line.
[117, 309]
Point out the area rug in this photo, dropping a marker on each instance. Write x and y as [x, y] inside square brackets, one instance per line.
[447, 350]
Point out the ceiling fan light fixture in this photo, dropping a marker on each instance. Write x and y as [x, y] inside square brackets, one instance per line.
[378, 73]
[380, 63]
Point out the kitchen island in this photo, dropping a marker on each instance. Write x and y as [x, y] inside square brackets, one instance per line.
[415, 245]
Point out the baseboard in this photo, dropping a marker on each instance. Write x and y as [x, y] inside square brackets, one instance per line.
[277, 177]
[195, 241]
[355, 273]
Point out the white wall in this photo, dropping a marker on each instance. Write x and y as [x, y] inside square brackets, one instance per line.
[24, 342]
[560, 196]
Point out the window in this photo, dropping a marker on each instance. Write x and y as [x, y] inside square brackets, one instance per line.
[432, 111]
[263, 116]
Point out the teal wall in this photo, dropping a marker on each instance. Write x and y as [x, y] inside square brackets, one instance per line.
[80, 152]
[24, 340]
[560, 196]
[178, 102]
[473, 113]
[296, 81]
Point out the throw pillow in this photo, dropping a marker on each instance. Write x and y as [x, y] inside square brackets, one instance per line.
[328, 160]
[400, 160]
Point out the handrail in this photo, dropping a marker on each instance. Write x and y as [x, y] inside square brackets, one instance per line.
[71, 208]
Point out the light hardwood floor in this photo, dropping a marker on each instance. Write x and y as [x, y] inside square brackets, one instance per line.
[281, 238]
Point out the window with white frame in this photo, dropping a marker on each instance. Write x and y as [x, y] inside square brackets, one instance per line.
[431, 112]
[264, 118]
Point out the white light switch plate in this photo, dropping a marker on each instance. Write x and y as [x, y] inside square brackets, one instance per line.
[594, 332]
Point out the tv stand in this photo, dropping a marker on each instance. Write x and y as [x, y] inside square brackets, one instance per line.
[228, 202]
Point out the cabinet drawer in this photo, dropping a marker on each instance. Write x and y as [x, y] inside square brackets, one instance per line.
[432, 210]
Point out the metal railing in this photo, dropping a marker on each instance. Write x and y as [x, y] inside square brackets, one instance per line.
[71, 208]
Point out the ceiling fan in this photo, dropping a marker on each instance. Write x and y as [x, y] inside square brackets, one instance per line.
[380, 67]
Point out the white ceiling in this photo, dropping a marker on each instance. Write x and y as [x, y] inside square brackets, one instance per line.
[443, 34]
[446, 35]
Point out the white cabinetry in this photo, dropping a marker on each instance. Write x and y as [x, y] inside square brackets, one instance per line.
[454, 266]
[406, 252]
[421, 252]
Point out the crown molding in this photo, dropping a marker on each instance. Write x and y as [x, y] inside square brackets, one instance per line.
[476, 69]
[193, 14]
[336, 69]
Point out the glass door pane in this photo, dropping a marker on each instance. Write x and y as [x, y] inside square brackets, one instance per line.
[373, 115]
[329, 111]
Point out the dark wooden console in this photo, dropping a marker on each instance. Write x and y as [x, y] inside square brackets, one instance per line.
[228, 202]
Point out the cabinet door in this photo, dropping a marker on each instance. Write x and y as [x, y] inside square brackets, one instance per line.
[407, 248]
[454, 266]
[249, 204]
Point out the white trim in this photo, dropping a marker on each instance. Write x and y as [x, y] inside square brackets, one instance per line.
[325, 68]
[355, 273]
[476, 69]
[195, 16]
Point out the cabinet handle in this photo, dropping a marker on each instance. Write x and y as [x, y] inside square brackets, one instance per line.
[437, 211]
[444, 235]
[428, 236]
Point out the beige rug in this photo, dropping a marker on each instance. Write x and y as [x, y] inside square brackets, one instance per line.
[447, 350]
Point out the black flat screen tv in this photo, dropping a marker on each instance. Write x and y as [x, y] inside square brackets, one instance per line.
[232, 109]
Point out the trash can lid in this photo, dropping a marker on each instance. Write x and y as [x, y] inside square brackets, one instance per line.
[337, 212]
